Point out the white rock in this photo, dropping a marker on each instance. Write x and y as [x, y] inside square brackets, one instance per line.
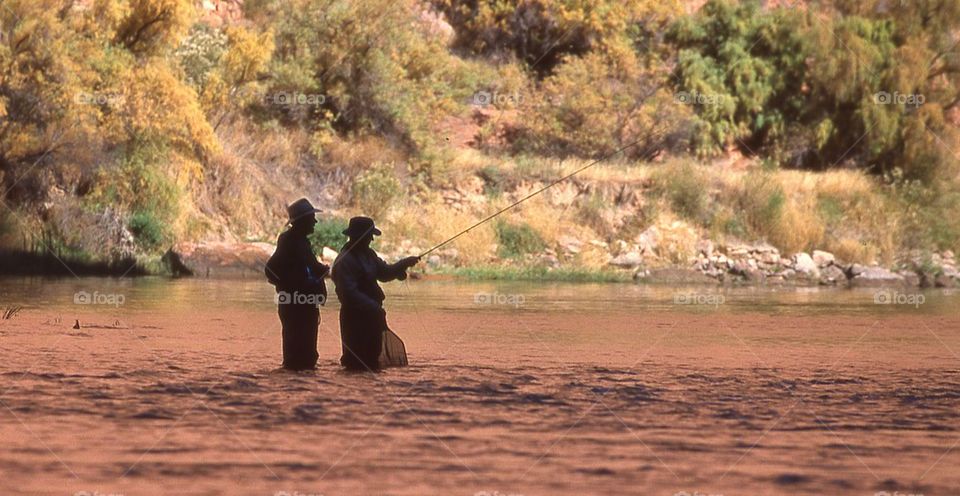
[804, 264]
[823, 258]
[627, 260]
[570, 244]
[649, 239]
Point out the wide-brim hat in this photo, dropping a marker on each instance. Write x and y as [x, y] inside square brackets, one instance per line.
[360, 227]
[300, 208]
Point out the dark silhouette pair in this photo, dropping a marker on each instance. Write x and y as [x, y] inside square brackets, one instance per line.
[299, 280]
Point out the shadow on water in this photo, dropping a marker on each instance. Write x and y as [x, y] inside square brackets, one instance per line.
[47, 263]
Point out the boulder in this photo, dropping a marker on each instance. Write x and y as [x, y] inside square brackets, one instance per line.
[764, 249]
[672, 276]
[649, 240]
[570, 244]
[854, 269]
[831, 275]
[755, 276]
[823, 258]
[434, 260]
[738, 251]
[627, 260]
[910, 278]
[944, 281]
[804, 264]
[739, 268]
[218, 259]
[769, 258]
[876, 276]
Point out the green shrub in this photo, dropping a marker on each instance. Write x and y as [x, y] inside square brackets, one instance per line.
[541, 33]
[147, 230]
[516, 240]
[375, 190]
[372, 64]
[685, 189]
[593, 108]
[199, 53]
[328, 232]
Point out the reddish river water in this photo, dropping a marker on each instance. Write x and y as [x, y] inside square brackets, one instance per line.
[172, 387]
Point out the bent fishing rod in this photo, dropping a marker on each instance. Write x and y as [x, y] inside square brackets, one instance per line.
[525, 198]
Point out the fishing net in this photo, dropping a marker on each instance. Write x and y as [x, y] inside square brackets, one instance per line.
[393, 353]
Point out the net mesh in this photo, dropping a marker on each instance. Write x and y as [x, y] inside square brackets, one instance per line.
[393, 353]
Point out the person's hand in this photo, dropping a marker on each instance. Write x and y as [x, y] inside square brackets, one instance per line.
[408, 262]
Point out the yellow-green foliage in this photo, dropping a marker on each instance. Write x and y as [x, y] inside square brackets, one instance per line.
[375, 190]
[373, 65]
[592, 108]
[149, 26]
[541, 32]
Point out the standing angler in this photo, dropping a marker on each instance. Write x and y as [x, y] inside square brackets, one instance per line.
[356, 271]
[299, 280]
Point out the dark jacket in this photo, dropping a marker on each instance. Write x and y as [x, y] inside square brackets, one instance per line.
[356, 272]
[294, 267]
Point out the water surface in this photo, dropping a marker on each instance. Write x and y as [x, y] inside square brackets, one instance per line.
[518, 388]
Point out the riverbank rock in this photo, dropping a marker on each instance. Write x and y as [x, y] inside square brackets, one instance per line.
[672, 276]
[218, 259]
[649, 240]
[570, 244]
[803, 263]
[831, 275]
[823, 258]
[861, 276]
[627, 260]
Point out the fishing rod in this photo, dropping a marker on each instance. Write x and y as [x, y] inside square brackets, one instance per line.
[531, 195]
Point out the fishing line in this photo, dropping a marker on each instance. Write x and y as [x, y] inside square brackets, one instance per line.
[531, 195]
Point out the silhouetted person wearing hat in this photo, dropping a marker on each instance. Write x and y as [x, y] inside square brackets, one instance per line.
[298, 277]
[362, 317]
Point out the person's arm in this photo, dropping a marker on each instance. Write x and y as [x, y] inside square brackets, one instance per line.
[346, 277]
[389, 272]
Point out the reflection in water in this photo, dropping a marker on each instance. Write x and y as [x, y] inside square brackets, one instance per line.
[156, 292]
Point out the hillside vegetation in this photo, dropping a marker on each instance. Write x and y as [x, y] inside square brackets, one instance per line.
[126, 126]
